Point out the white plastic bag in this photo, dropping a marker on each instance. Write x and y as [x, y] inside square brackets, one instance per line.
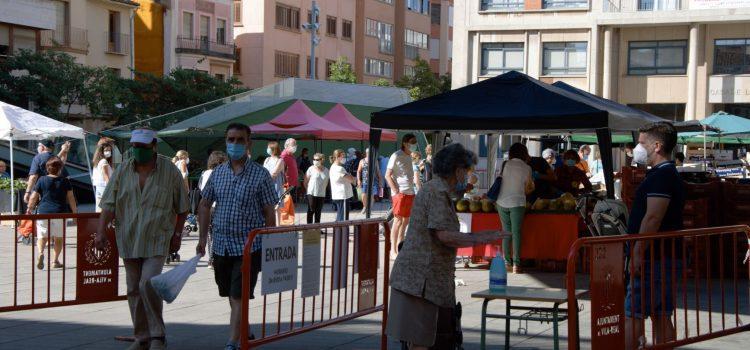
[170, 283]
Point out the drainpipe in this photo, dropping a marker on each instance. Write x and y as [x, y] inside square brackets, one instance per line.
[132, 45]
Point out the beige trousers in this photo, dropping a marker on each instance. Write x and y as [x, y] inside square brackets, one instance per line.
[145, 305]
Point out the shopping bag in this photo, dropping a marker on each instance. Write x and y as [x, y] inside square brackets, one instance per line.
[26, 227]
[287, 211]
[169, 284]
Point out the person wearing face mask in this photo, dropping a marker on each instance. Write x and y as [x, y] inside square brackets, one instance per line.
[291, 174]
[341, 185]
[147, 199]
[316, 183]
[401, 178]
[181, 160]
[276, 167]
[363, 175]
[423, 293]
[244, 197]
[38, 163]
[102, 171]
[583, 159]
[569, 177]
[517, 184]
[657, 207]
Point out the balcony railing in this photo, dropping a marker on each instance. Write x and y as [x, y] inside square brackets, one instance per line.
[411, 52]
[644, 5]
[205, 47]
[65, 37]
[491, 5]
[117, 43]
[565, 4]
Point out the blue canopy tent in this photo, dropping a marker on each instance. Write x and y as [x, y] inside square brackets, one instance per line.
[513, 103]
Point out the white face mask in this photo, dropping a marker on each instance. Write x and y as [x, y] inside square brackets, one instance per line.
[293, 149]
[187, 161]
[107, 154]
[640, 154]
[413, 147]
[317, 163]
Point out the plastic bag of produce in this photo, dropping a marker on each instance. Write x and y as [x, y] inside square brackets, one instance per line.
[169, 284]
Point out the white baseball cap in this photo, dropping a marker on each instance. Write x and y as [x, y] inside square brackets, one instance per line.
[142, 136]
[547, 153]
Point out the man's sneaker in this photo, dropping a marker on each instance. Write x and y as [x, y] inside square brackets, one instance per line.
[40, 262]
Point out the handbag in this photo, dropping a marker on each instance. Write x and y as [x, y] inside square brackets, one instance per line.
[494, 191]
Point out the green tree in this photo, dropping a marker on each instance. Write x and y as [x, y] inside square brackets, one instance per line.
[342, 72]
[423, 82]
[382, 82]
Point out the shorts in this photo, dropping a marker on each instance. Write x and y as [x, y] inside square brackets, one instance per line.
[643, 308]
[54, 230]
[402, 205]
[228, 274]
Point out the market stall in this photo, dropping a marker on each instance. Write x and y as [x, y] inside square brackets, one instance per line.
[514, 103]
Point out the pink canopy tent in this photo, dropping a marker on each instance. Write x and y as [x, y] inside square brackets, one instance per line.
[341, 116]
[298, 119]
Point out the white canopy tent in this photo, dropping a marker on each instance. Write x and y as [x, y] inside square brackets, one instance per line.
[17, 123]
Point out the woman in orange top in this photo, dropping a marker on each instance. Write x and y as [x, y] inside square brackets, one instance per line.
[583, 164]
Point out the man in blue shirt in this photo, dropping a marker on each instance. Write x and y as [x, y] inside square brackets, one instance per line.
[657, 208]
[38, 164]
[245, 199]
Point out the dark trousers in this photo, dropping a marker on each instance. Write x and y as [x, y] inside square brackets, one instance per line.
[314, 208]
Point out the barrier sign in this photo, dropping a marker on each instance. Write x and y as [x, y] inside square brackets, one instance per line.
[279, 261]
[97, 271]
[608, 297]
[367, 265]
[310, 263]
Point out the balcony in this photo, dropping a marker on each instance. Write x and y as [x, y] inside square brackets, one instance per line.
[205, 47]
[644, 5]
[65, 38]
[117, 43]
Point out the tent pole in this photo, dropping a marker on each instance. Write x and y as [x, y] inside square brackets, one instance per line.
[604, 136]
[705, 152]
[374, 149]
[12, 178]
[88, 161]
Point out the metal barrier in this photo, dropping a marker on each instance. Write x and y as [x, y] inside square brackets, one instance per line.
[693, 274]
[95, 274]
[318, 309]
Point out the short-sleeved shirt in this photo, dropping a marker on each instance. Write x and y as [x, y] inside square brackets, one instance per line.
[98, 173]
[54, 194]
[516, 173]
[292, 173]
[340, 188]
[401, 165]
[318, 183]
[569, 178]
[145, 218]
[542, 188]
[239, 199]
[39, 165]
[425, 267]
[662, 181]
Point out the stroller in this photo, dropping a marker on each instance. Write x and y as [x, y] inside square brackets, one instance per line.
[603, 217]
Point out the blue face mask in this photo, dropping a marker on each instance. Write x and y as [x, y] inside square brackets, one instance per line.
[236, 151]
[570, 162]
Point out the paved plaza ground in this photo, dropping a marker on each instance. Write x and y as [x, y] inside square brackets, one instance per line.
[198, 318]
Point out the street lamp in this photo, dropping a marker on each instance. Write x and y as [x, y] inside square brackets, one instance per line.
[314, 39]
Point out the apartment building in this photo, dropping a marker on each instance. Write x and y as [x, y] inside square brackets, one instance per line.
[95, 32]
[679, 59]
[441, 36]
[380, 38]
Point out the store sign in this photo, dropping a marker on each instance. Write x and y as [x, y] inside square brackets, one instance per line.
[729, 89]
[367, 265]
[729, 172]
[279, 261]
[717, 4]
[97, 272]
[607, 297]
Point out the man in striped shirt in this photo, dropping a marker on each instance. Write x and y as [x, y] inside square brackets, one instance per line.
[146, 198]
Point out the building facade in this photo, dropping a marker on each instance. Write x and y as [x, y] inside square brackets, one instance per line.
[380, 38]
[441, 36]
[678, 59]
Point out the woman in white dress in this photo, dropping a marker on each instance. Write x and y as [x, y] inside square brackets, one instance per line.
[182, 160]
[102, 171]
[275, 166]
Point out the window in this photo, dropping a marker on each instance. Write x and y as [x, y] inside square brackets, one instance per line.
[565, 4]
[317, 70]
[24, 39]
[238, 12]
[378, 68]
[499, 58]
[286, 64]
[382, 31]
[657, 57]
[387, 1]
[114, 43]
[414, 38]
[732, 56]
[187, 25]
[237, 60]
[435, 14]
[219, 76]
[658, 5]
[489, 5]
[115, 71]
[409, 71]
[287, 17]
[4, 40]
[564, 58]
[331, 26]
[221, 31]
[346, 29]
[317, 20]
[205, 27]
[668, 111]
[419, 6]
[328, 68]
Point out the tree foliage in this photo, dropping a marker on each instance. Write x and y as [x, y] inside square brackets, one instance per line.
[382, 82]
[424, 83]
[342, 72]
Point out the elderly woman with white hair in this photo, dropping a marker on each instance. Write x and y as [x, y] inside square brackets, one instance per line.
[422, 289]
